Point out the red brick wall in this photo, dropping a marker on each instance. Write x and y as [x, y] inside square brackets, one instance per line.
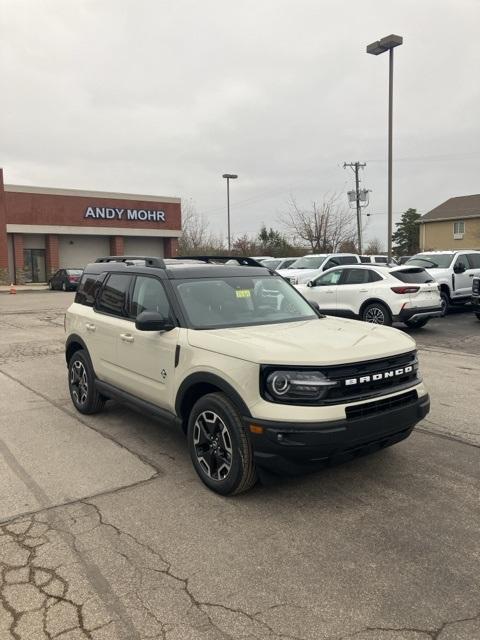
[3, 231]
[36, 208]
[170, 247]
[117, 246]
[52, 259]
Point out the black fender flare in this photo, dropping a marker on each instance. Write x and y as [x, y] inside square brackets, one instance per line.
[212, 379]
[75, 338]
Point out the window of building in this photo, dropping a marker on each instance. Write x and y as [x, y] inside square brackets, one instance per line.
[458, 228]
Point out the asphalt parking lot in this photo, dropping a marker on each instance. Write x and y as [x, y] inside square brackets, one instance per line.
[106, 533]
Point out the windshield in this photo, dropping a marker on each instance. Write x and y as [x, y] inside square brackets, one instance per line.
[270, 264]
[212, 303]
[431, 260]
[308, 262]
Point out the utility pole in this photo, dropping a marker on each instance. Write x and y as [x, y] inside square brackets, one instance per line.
[360, 196]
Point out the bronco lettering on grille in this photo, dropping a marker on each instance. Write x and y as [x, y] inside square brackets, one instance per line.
[384, 375]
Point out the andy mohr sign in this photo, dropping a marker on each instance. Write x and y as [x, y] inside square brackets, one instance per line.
[111, 213]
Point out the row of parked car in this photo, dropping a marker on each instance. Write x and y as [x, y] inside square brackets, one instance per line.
[373, 289]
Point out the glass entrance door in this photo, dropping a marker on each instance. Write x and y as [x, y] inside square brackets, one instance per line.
[34, 265]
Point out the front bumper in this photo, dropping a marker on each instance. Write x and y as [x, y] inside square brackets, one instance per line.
[291, 448]
[418, 313]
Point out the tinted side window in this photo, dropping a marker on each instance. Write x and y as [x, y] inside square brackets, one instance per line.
[380, 260]
[462, 259]
[373, 276]
[346, 260]
[474, 260]
[149, 295]
[88, 288]
[365, 259]
[113, 295]
[355, 276]
[333, 262]
[413, 276]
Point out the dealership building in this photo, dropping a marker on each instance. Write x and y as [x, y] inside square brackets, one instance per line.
[43, 229]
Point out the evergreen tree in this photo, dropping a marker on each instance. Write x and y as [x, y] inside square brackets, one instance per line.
[406, 237]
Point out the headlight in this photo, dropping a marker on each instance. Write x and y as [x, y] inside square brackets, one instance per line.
[306, 386]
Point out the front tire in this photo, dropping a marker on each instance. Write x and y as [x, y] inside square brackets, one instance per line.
[220, 446]
[81, 384]
[377, 313]
[416, 324]
[445, 303]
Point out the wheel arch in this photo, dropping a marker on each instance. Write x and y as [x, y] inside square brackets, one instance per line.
[445, 288]
[75, 343]
[199, 384]
[372, 300]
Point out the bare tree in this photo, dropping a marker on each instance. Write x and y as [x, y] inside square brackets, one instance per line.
[196, 235]
[375, 246]
[325, 227]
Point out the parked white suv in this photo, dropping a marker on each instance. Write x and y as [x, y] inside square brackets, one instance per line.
[370, 259]
[380, 295]
[454, 272]
[255, 385]
[312, 265]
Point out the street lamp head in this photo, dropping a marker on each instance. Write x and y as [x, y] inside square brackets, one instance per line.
[231, 176]
[385, 44]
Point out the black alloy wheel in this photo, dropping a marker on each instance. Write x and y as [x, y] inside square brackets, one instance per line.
[377, 313]
[219, 445]
[81, 384]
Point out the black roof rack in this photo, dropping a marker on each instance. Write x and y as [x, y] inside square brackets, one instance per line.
[241, 260]
[149, 261]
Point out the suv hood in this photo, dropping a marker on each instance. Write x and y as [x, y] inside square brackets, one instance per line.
[324, 341]
[296, 272]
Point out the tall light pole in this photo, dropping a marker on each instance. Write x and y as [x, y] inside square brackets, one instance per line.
[229, 176]
[376, 48]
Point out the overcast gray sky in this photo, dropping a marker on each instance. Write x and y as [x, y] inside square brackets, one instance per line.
[163, 96]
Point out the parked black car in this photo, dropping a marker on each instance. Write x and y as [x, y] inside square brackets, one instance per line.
[65, 279]
[476, 296]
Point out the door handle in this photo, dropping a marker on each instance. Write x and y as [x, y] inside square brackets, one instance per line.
[470, 275]
[127, 337]
[89, 326]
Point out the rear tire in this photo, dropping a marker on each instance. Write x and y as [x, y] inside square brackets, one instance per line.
[377, 313]
[81, 384]
[220, 446]
[478, 316]
[416, 324]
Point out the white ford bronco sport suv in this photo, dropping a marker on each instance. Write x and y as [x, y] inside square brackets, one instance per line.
[255, 376]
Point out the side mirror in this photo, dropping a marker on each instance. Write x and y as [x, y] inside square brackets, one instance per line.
[153, 321]
[459, 268]
[310, 283]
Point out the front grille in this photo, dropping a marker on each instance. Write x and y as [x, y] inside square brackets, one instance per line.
[359, 381]
[379, 406]
[369, 378]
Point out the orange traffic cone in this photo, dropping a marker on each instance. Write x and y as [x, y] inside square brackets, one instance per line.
[12, 289]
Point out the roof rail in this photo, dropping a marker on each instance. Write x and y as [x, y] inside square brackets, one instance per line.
[242, 260]
[149, 261]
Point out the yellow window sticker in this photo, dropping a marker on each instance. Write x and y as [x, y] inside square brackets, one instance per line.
[243, 293]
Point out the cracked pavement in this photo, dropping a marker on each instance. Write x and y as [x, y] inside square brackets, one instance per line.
[106, 533]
